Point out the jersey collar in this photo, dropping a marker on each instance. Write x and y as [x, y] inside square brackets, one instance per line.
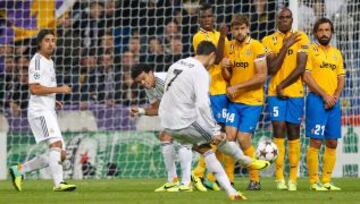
[205, 31]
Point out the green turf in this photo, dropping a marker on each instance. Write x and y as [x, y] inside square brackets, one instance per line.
[141, 191]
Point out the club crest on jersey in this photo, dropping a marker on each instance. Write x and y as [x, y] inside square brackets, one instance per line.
[232, 48]
[36, 75]
[335, 57]
[290, 52]
[248, 52]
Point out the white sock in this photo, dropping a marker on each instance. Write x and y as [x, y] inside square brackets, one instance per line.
[36, 163]
[232, 149]
[56, 168]
[215, 167]
[168, 152]
[185, 158]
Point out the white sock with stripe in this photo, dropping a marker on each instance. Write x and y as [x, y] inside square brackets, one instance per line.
[56, 168]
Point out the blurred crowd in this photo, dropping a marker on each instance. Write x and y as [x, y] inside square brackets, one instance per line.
[99, 41]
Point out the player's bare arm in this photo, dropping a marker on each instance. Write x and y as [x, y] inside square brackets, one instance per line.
[293, 76]
[37, 89]
[258, 79]
[151, 110]
[221, 43]
[314, 87]
[274, 61]
[340, 86]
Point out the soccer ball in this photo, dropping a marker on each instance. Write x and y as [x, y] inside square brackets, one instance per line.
[267, 150]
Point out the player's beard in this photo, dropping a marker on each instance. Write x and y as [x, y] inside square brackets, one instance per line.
[324, 40]
[240, 38]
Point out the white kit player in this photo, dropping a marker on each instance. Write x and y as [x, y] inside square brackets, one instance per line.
[153, 83]
[186, 114]
[42, 116]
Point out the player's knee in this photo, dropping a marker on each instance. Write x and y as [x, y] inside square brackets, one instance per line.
[245, 141]
[63, 155]
[202, 149]
[315, 143]
[331, 144]
[165, 137]
[279, 129]
[293, 131]
[57, 144]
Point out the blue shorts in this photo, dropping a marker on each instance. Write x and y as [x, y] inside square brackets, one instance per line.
[219, 105]
[243, 117]
[322, 123]
[286, 110]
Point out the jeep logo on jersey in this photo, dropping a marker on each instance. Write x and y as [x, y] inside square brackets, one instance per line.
[241, 64]
[328, 65]
[290, 52]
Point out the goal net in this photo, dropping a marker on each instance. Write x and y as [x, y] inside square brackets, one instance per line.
[99, 41]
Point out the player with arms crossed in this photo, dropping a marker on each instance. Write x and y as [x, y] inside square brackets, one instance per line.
[244, 66]
[185, 113]
[218, 98]
[325, 76]
[154, 88]
[287, 53]
[42, 116]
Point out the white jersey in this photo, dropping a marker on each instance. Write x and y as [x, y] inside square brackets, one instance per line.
[41, 71]
[155, 94]
[186, 96]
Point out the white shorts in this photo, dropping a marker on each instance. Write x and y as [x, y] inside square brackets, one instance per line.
[45, 127]
[197, 133]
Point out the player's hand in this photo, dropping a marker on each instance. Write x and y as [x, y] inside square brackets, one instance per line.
[226, 63]
[65, 89]
[231, 91]
[329, 101]
[280, 92]
[134, 111]
[59, 105]
[223, 29]
[292, 39]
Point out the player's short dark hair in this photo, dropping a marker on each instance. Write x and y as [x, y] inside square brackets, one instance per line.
[41, 35]
[205, 7]
[238, 20]
[136, 70]
[205, 48]
[322, 21]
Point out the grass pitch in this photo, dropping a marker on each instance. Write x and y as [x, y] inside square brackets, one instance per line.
[136, 191]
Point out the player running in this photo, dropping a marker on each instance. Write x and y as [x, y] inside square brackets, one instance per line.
[325, 76]
[154, 88]
[287, 53]
[42, 116]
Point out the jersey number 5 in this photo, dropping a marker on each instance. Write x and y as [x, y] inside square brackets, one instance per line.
[176, 72]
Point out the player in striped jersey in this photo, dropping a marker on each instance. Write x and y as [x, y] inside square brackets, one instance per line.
[42, 115]
[325, 76]
[154, 88]
[286, 57]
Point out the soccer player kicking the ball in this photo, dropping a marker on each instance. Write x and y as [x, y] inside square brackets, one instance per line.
[42, 116]
[154, 88]
[218, 98]
[186, 114]
[286, 57]
[325, 76]
[244, 66]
